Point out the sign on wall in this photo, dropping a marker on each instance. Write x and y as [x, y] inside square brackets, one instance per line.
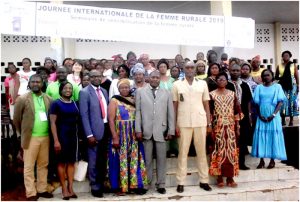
[71, 21]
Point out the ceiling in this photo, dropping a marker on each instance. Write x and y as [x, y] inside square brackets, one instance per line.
[286, 12]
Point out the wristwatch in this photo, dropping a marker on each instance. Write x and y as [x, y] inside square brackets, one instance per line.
[273, 114]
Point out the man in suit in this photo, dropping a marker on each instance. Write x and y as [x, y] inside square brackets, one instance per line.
[30, 119]
[154, 124]
[93, 110]
[190, 98]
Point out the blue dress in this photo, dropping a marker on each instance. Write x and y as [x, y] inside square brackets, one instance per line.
[268, 140]
[67, 129]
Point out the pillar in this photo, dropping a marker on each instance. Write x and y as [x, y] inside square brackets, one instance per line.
[221, 8]
[277, 36]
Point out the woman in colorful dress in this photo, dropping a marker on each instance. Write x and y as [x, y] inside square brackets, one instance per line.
[268, 141]
[126, 158]
[287, 74]
[226, 113]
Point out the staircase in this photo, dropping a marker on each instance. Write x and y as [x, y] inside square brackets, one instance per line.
[279, 183]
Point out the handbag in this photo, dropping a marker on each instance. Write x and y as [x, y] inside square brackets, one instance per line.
[80, 170]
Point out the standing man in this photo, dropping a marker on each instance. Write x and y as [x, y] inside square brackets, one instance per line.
[192, 115]
[154, 124]
[53, 88]
[93, 110]
[30, 119]
[244, 96]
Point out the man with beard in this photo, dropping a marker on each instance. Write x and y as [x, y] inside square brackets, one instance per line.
[53, 88]
[30, 119]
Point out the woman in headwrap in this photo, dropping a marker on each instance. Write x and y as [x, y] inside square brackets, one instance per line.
[287, 74]
[126, 158]
[144, 59]
[256, 70]
[200, 69]
[138, 74]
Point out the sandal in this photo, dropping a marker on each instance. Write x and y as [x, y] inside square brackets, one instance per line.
[220, 182]
[231, 183]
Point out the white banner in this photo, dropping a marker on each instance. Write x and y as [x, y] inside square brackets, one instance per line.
[71, 21]
[17, 17]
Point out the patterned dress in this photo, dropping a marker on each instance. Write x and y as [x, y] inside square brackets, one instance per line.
[126, 167]
[224, 158]
[290, 108]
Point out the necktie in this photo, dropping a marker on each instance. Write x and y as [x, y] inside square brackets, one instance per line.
[101, 103]
[153, 92]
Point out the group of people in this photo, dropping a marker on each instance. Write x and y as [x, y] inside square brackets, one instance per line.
[126, 112]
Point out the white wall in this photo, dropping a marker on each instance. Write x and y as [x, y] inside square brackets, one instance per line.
[14, 48]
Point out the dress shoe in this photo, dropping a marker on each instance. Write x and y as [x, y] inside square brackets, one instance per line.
[45, 195]
[65, 198]
[180, 188]
[97, 193]
[205, 186]
[271, 165]
[161, 190]
[244, 167]
[140, 191]
[261, 165]
[32, 198]
[74, 196]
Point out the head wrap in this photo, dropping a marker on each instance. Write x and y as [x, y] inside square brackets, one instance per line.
[144, 56]
[123, 81]
[138, 68]
[115, 57]
[256, 58]
[200, 62]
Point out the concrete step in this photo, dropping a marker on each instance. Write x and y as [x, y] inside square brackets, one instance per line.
[275, 190]
[280, 172]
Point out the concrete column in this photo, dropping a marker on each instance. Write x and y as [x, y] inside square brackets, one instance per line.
[57, 42]
[221, 8]
[69, 48]
[277, 36]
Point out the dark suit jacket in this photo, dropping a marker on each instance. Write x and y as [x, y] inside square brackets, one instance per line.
[24, 116]
[90, 112]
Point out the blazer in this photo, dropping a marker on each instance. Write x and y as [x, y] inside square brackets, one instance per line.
[24, 116]
[90, 112]
[154, 116]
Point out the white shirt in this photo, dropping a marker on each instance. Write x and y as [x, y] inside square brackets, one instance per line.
[103, 101]
[24, 79]
[108, 74]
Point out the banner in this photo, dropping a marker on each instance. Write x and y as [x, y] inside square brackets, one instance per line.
[72, 21]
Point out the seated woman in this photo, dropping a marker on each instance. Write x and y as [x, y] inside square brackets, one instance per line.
[64, 119]
[126, 157]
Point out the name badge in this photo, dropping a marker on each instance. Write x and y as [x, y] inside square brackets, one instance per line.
[43, 116]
